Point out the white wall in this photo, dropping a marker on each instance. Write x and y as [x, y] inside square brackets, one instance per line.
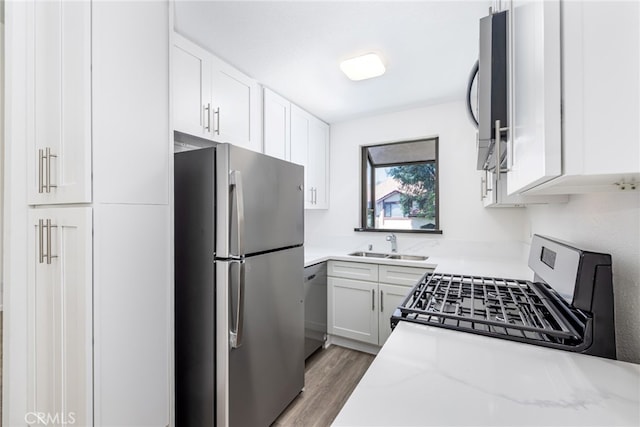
[462, 216]
[610, 223]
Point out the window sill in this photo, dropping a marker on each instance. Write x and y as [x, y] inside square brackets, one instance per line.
[391, 230]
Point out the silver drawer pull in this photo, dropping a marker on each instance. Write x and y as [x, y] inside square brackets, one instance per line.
[207, 111]
[48, 155]
[216, 113]
[40, 170]
[40, 240]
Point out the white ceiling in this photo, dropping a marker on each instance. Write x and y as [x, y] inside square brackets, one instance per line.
[294, 48]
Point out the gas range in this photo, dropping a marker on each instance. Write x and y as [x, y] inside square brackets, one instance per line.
[568, 306]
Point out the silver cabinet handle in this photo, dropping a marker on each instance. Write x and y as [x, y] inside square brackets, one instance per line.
[49, 156]
[217, 114]
[381, 301]
[42, 255]
[236, 332]
[48, 255]
[207, 110]
[44, 162]
[482, 185]
[373, 299]
[235, 181]
[40, 240]
[48, 241]
[498, 136]
[40, 170]
[497, 150]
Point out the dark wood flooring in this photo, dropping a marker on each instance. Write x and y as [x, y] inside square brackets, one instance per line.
[330, 376]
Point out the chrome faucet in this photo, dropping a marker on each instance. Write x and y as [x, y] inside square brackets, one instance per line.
[394, 242]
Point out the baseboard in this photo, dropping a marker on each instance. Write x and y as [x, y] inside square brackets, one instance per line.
[352, 344]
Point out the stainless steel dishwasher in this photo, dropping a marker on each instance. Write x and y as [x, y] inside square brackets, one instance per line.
[315, 307]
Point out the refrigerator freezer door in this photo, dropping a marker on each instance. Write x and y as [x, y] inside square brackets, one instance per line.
[266, 371]
[270, 195]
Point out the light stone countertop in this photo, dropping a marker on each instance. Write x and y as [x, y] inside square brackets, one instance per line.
[428, 376]
[471, 264]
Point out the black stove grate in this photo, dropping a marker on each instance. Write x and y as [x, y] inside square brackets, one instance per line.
[506, 308]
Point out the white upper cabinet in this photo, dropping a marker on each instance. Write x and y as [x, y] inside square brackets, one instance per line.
[318, 166]
[130, 110]
[58, 34]
[213, 100]
[236, 107]
[600, 86]
[300, 124]
[292, 134]
[277, 122]
[534, 112]
[191, 88]
[574, 103]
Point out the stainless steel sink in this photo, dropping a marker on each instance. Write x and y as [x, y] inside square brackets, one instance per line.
[368, 254]
[389, 256]
[408, 257]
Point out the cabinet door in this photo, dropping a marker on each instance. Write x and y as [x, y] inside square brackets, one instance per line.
[318, 165]
[277, 133]
[601, 65]
[534, 125]
[352, 306]
[300, 121]
[59, 102]
[300, 147]
[132, 321]
[59, 307]
[191, 77]
[236, 111]
[131, 134]
[391, 296]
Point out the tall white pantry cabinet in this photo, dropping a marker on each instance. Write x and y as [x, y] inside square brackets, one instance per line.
[88, 287]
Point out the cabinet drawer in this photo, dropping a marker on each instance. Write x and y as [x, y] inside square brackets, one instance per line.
[399, 275]
[353, 270]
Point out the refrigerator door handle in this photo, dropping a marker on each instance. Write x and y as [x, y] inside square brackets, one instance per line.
[235, 181]
[237, 329]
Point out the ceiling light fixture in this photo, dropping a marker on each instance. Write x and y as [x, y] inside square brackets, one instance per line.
[363, 67]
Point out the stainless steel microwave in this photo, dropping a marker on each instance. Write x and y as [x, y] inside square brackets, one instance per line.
[491, 71]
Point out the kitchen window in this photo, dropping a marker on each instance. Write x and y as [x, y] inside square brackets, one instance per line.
[400, 187]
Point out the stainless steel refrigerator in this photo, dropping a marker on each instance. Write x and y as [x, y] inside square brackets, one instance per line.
[239, 311]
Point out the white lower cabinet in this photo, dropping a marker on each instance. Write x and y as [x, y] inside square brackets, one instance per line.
[363, 296]
[59, 316]
[352, 309]
[391, 296]
[132, 315]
